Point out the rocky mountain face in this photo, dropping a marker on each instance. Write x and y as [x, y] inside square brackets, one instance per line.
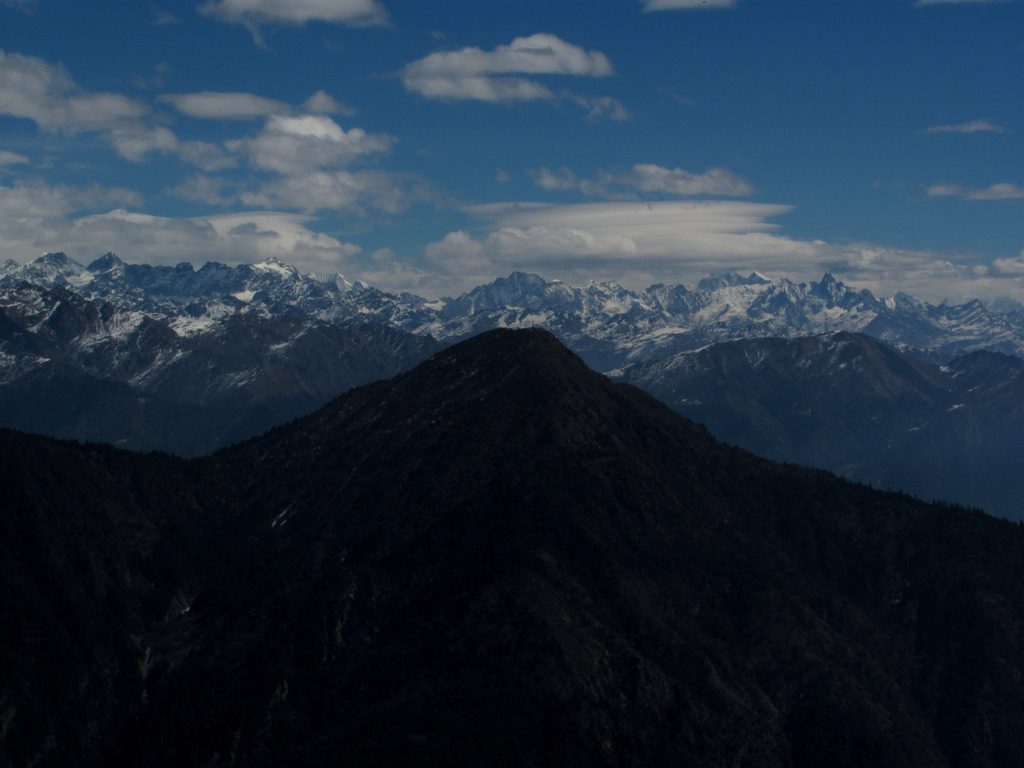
[498, 558]
[854, 405]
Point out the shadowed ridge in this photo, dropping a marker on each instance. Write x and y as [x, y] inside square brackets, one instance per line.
[501, 558]
[534, 555]
[504, 404]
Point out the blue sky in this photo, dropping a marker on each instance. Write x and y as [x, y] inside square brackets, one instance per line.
[432, 146]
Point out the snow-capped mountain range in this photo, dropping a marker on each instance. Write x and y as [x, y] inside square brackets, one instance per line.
[191, 360]
[609, 325]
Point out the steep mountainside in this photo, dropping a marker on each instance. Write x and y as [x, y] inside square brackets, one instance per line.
[848, 403]
[498, 558]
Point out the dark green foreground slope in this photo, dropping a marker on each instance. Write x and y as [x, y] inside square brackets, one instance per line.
[499, 558]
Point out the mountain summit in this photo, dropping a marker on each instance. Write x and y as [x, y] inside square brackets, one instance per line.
[497, 558]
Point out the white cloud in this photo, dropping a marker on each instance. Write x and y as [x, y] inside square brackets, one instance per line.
[561, 180]
[497, 75]
[675, 241]
[31, 88]
[136, 142]
[675, 5]
[208, 157]
[37, 218]
[1010, 266]
[35, 202]
[1001, 191]
[213, 105]
[357, 13]
[322, 103]
[299, 145]
[648, 178]
[11, 158]
[339, 191]
[602, 108]
[972, 126]
[230, 238]
[385, 269]
[310, 156]
[635, 240]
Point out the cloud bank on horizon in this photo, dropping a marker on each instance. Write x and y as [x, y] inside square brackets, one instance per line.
[634, 140]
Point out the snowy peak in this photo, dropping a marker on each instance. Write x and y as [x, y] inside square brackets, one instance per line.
[829, 289]
[52, 269]
[520, 290]
[277, 267]
[107, 263]
[56, 260]
[669, 299]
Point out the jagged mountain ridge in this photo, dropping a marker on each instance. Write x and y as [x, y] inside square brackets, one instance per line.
[853, 405]
[189, 360]
[84, 368]
[497, 558]
[606, 323]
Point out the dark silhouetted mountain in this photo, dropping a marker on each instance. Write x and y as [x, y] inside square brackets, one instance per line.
[850, 404]
[498, 558]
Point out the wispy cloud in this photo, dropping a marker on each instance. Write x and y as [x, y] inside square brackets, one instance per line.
[162, 18]
[602, 108]
[136, 142]
[311, 157]
[646, 178]
[322, 103]
[216, 105]
[504, 74]
[11, 158]
[305, 143]
[350, 192]
[26, 6]
[972, 126]
[256, 13]
[46, 94]
[689, 5]
[1003, 191]
[34, 208]
[1010, 266]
